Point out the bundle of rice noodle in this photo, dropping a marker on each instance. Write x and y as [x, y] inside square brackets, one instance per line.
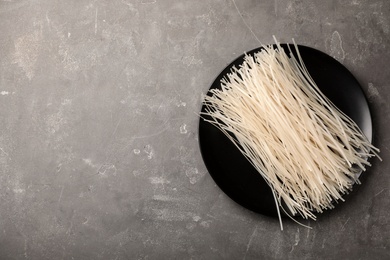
[307, 150]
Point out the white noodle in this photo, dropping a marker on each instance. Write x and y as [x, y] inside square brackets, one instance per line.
[303, 146]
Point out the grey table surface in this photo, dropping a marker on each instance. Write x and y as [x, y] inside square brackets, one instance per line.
[99, 102]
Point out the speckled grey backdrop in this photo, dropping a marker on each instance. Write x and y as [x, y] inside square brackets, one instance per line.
[98, 136]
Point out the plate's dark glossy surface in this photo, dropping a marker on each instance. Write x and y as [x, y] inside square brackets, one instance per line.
[231, 170]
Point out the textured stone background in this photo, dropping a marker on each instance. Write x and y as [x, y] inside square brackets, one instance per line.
[98, 128]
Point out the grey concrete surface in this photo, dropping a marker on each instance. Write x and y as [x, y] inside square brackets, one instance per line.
[98, 128]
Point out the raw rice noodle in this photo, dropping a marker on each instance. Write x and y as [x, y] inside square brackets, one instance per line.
[307, 150]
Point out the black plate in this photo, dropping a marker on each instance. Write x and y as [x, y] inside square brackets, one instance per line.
[231, 170]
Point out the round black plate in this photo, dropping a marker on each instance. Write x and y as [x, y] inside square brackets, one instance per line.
[231, 170]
